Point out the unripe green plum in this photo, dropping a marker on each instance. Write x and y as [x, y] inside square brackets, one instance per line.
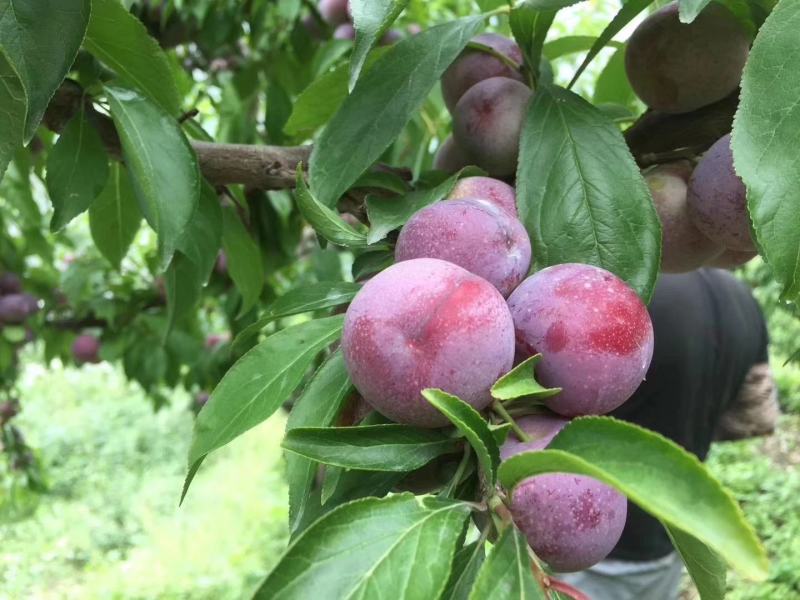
[492, 190]
[426, 323]
[718, 199]
[473, 66]
[473, 234]
[676, 67]
[594, 334]
[683, 247]
[487, 122]
[450, 157]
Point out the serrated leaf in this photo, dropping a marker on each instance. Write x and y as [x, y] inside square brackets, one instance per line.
[530, 26]
[707, 569]
[470, 423]
[161, 164]
[318, 406]
[326, 222]
[360, 550]
[120, 40]
[245, 265]
[258, 383]
[388, 214]
[520, 382]
[626, 14]
[390, 447]
[689, 9]
[574, 207]
[114, 216]
[382, 102]
[655, 473]
[371, 19]
[323, 97]
[466, 564]
[764, 142]
[77, 171]
[306, 298]
[12, 117]
[40, 39]
[506, 572]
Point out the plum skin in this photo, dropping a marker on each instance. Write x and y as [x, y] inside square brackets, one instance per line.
[345, 31]
[492, 190]
[487, 122]
[16, 308]
[731, 259]
[426, 323]
[473, 234]
[473, 66]
[593, 331]
[335, 12]
[718, 199]
[571, 521]
[86, 349]
[683, 247]
[674, 67]
[450, 157]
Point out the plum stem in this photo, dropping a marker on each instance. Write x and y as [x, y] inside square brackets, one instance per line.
[501, 410]
[456, 479]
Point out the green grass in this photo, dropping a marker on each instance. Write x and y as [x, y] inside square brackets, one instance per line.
[111, 526]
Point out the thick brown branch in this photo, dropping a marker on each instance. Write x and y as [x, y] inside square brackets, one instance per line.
[658, 137]
[262, 167]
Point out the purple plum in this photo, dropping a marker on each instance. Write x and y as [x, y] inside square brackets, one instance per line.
[334, 12]
[450, 157]
[16, 308]
[86, 349]
[593, 331]
[10, 283]
[495, 191]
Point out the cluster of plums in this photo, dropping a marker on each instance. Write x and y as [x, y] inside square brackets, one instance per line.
[439, 318]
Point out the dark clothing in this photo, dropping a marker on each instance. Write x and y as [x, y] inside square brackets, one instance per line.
[709, 331]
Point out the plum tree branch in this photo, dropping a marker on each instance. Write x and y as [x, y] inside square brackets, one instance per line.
[260, 167]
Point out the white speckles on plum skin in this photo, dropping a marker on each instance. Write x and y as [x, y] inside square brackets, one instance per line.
[426, 323]
[596, 342]
[570, 521]
[472, 233]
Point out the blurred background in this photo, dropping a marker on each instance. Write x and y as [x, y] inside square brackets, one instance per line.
[110, 440]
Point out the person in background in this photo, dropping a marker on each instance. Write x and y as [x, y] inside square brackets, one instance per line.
[709, 380]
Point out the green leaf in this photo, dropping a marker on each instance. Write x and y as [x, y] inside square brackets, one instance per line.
[114, 216]
[689, 9]
[470, 423]
[161, 164]
[318, 406]
[322, 98]
[764, 142]
[401, 543]
[466, 564]
[245, 265]
[183, 287]
[568, 44]
[530, 26]
[202, 239]
[12, 117]
[388, 214]
[626, 14]
[326, 222]
[381, 104]
[120, 40]
[370, 447]
[520, 382]
[258, 383]
[77, 171]
[371, 18]
[574, 207]
[550, 4]
[306, 298]
[656, 474]
[40, 39]
[368, 263]
[506, 573]
[612, 85]
[707, 569]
